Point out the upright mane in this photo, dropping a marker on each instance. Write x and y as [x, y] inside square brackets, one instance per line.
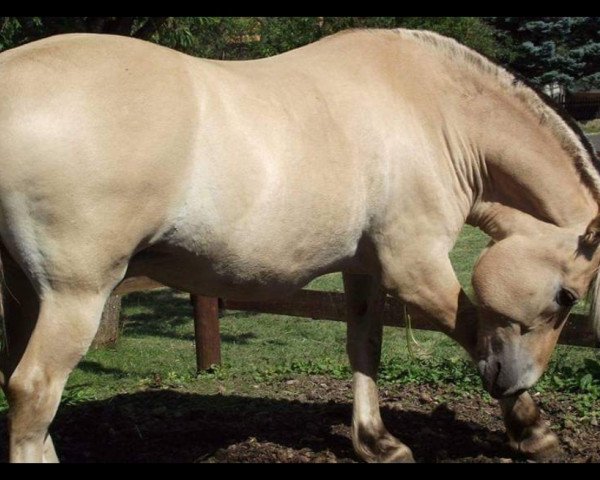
[551, 115]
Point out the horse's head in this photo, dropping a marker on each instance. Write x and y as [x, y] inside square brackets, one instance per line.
[526, 284]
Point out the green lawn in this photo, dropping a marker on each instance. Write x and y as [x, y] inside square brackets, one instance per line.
[156, 350]
[592, 126]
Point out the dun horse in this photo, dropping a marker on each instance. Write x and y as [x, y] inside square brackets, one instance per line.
[364, 153]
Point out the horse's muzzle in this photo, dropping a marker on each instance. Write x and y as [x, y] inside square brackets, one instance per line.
[503, 378]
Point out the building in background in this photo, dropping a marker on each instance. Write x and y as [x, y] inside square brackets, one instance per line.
[583, 106]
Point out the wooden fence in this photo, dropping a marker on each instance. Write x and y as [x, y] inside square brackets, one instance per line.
[327, 306]
[583, 106]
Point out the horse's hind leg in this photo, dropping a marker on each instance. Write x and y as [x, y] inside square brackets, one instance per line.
[65, 328]
[372, 442]
[46, 339]
[20, 311]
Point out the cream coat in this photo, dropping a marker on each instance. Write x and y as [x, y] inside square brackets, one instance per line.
[365, 152]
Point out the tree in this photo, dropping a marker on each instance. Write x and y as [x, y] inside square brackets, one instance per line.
[255, 37]
[110, 323]
[239, 37]
[587, 37]
[16, 31]
[562, 50]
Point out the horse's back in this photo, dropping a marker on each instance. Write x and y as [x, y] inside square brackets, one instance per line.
[109, 144]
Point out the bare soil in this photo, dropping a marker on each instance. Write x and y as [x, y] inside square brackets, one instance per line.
[301, 420]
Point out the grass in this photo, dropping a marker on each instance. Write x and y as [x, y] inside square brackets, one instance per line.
[156, 351]
[593, 126]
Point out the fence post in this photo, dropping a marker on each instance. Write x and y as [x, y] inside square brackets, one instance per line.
[206, 331]
[110, 323]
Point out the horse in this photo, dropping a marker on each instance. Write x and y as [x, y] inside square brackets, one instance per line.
[365, 152]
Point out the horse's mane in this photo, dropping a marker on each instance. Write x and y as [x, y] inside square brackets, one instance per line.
[551, 115]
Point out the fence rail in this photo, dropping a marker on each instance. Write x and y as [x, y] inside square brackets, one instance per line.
[330, 306]
[582, 109]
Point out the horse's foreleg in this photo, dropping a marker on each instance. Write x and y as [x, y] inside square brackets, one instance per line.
[49, 453]
[36, 374]
[372, 442]
[441, 299]
[528, 434]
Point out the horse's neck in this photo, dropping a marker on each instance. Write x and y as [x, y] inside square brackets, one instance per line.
[523, 165]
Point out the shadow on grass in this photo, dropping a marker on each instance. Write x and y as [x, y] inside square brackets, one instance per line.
[164, 312]
[99, 369]
[171, 426]
[241, 339]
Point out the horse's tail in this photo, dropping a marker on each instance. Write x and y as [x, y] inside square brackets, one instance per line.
[594, 301]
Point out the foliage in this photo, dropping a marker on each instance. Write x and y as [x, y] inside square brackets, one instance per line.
[545, 49]
[256, 37]
[16, 31]
[240, 37]
[563, 50]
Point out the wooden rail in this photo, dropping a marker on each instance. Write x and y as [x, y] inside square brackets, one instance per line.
[330, 306]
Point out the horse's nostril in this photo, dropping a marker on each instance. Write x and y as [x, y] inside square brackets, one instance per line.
[497, 346]
[498, 370]
[490, 371]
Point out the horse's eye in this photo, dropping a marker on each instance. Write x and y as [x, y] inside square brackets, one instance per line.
[566, 298]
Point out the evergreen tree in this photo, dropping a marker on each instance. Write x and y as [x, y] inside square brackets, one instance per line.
[563, 50]
[587, 37]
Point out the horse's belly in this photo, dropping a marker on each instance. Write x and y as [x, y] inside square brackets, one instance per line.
[248, 269]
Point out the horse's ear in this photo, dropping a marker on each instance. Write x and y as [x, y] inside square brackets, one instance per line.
[591, 237]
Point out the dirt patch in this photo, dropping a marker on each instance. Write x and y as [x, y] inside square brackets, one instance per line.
[305, 420]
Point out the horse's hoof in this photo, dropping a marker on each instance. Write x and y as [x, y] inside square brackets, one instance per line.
[541, 445]
[386, 449]
[400, 456]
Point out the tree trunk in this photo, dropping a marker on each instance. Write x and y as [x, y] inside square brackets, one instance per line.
[110, 324]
